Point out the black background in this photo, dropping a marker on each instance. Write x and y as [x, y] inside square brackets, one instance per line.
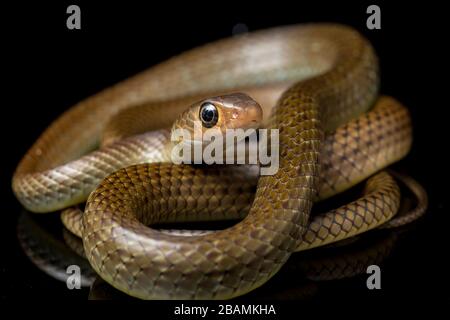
[49, 68]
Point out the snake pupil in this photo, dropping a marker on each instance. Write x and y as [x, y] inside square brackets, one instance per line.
[209, 114]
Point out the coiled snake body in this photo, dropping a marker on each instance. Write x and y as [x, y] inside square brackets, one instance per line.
[331, 75]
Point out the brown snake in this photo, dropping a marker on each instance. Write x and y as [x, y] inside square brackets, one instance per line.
[331, 75]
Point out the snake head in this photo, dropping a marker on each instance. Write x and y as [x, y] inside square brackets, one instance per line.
[216, 115]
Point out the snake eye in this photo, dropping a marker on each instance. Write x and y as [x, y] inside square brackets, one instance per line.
[209, 114]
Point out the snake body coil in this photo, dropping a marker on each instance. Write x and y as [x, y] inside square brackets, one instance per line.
[332, 76]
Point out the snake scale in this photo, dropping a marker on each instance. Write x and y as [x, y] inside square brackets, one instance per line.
[327, 75]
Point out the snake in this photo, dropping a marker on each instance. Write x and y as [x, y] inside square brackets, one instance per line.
[323, 76]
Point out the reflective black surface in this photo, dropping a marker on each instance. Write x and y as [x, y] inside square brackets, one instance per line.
[51, 249]
[49, 68]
